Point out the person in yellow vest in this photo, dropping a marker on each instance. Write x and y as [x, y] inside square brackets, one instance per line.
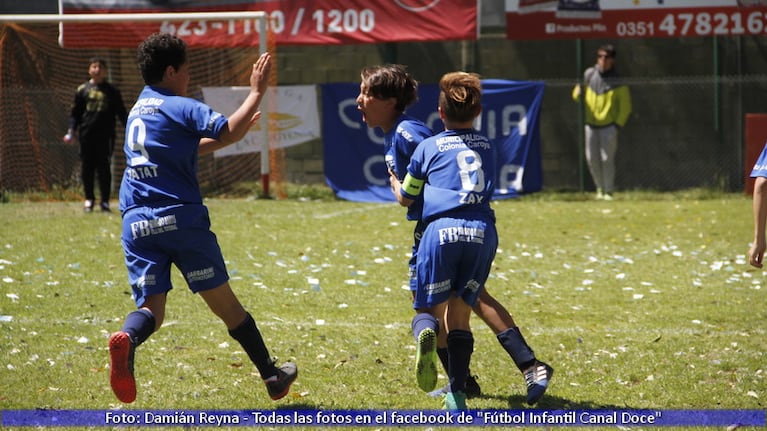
[608, 105]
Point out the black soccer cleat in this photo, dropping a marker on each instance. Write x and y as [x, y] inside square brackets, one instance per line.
[279, 384]
[537, 380]
[472, 389]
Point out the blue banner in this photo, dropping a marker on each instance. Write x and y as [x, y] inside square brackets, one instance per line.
[379, 418]
[353, 153]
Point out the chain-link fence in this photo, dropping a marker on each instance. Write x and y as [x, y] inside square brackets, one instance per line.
[683, 132]
[690, 97]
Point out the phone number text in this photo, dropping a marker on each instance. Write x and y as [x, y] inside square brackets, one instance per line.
[697, 24]
[321, 21]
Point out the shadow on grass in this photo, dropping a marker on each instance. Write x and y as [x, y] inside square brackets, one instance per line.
[549, 402]
[516, 402]
[301, 406]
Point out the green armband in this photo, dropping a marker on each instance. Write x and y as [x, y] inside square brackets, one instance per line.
[412, 186]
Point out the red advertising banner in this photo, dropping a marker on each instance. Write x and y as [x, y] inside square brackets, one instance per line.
[611, 19]
[293, 22]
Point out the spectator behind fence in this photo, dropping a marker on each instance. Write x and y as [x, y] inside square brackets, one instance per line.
[95, 110]
[608, 106]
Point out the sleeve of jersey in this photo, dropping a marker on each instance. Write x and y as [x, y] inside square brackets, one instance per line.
[207, 121]
[405, 140]
[401, 152]
[760, 167]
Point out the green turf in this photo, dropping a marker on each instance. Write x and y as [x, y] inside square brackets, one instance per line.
[646, 302]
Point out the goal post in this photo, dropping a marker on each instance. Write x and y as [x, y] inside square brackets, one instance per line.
[131, 17]
[260, 17]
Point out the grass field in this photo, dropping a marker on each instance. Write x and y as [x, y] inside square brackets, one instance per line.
[646, 302]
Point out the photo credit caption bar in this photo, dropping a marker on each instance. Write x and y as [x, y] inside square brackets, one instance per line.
[378, 418]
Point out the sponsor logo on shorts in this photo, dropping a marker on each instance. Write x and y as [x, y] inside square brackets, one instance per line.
[438, 287]
[472, 285]
[144, 228]
[200, 274]
[146, 280]
[455, 234]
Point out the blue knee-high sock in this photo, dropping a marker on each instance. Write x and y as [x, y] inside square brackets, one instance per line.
[460, 345]
[139, 325]
[422, 321]
[516, 346]
[249, 337]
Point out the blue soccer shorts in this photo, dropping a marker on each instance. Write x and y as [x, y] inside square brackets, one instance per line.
[417, 234]
[154, 239]
[454, 258]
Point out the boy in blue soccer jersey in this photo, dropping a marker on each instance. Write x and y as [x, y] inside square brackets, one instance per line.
[164, 220]
[453, 171]
[758, 247]
[385, 92]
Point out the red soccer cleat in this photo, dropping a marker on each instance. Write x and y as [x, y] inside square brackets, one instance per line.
[121, 367]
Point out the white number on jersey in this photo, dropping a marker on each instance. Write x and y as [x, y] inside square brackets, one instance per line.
[136, 138]
[467, 167]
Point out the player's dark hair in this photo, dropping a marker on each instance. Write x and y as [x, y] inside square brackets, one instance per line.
[156, 53]
[608, 49]
[391, 80]
[460, 96]
[99, 60]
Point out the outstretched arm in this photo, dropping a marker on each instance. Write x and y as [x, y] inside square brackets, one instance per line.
[208, 145]
[756, 252]
[247, 114]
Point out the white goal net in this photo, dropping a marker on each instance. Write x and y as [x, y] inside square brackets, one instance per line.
[39, 76]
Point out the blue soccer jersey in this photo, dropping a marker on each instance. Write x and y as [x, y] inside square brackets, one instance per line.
[161, 143]
[760, 167]
[453, 170]
[401, 141]
[456, 171]
[399, 144]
